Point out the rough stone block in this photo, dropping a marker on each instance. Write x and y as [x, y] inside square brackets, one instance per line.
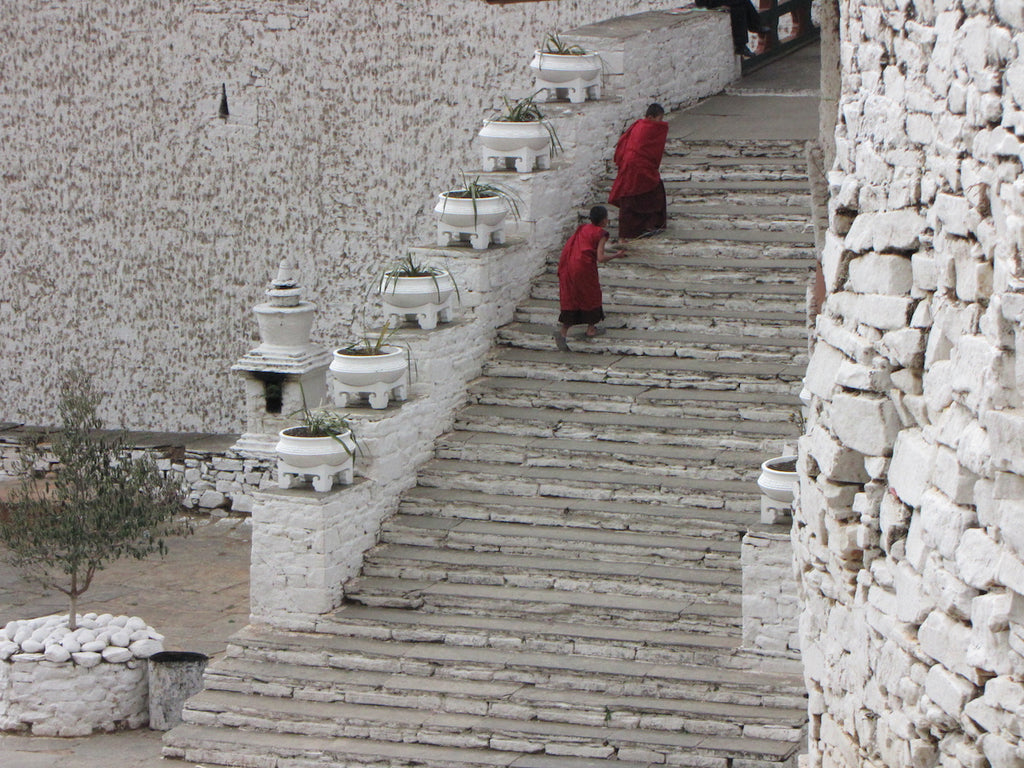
[835, 461]
[886, 231]
[948, 690]
[823, 369]
[977, 558]
[881, 273]
[865, 423]
[910, 470]
[1006, 436]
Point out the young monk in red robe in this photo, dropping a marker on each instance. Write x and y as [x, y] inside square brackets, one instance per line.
[638, 190]
[579, 289]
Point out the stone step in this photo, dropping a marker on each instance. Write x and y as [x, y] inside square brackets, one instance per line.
[690, 216]
[546, 635]
[735, 148]
[254, 749]
[495, 699]
[655, 483]
[616, 548]
[440, 503]
[601, 456]
[656, 293]
[638, 399]
[680, 231]
[548, 669]
[651, 260]
[660, 372]
[512, 700]
[791, 325]
[341, 720]
[653, 614]
[468, 560]
[657, 343]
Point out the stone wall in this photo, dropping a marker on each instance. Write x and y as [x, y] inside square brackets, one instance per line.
[59, 682]
[906, 529]
[138, 228]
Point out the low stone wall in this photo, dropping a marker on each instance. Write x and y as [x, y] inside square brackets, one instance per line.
[217, 479]
[58, 682]
[771, 606]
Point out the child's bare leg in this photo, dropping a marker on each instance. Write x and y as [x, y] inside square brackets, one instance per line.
[560, 334]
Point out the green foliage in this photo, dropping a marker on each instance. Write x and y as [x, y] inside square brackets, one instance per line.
[554, 44]
[371, 345]
[323, 423]
[526, 110]
[102, 504]
[474, 189]
[409, 267]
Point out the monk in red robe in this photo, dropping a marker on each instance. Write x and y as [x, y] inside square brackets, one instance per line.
[638, 190]
[579, 289]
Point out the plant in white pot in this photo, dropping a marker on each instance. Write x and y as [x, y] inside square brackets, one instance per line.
[410, 290]
[520, 134]
[570, 69]
[475, 211]
[322, 447]
[370, 367]
[779, 483]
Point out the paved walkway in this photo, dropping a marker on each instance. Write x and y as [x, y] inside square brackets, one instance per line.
[198, 595]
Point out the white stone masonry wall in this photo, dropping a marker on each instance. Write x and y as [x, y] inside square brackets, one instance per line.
[60, 682]
[137, 227]
[908, 525]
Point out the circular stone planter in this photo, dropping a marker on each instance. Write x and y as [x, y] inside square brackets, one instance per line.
[579, 74]
[425, 299]
[778, 479]
[322, 458]
[460, 212]
[525, 142]
[377, 375]
[482, 219]
[55, 682]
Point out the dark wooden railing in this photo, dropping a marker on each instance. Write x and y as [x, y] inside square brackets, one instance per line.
[789, 22]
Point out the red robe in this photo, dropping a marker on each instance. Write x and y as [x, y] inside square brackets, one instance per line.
[578, 285]
[638, 156]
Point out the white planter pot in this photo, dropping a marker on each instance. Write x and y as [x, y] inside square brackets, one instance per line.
[508, 137]
[379, 376]
[412, 293]
[460, 213]
[777, 484]
[482, 219]
[579, 75]
[564, 68]
[364, 370]
[322, 458]
[527, 143]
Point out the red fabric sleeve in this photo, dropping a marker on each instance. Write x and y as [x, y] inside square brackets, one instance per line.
[638, 157]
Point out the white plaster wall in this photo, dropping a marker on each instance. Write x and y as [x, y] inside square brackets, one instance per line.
[137, 229]
[907, 529]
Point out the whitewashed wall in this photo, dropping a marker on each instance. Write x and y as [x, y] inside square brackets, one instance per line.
[137, 229]
[908, 531]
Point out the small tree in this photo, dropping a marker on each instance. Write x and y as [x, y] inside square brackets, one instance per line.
[101, 504]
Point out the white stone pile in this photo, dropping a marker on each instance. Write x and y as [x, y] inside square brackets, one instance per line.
[98, 638]
[58, 682]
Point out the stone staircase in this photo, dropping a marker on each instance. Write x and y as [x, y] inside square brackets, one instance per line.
[562, 587]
